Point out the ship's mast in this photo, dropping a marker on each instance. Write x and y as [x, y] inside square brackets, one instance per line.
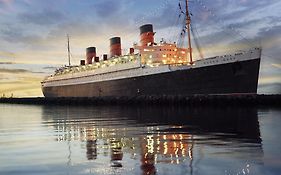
[188, 22]
[68, 50]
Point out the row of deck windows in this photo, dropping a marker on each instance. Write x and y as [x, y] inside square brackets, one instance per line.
[216, 61]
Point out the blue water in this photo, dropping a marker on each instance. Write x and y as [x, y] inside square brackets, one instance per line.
[139, 140]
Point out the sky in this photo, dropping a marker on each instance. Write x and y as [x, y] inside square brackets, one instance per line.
[33, 34]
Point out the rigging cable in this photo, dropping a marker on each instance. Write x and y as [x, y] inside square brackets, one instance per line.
[220, 21]
[182, 32]
[239, 33]
[172, 29]
[196, 41]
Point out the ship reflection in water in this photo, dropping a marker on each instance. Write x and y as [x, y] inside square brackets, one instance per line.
[150, 140]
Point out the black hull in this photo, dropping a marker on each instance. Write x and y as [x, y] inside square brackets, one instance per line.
[232, 78]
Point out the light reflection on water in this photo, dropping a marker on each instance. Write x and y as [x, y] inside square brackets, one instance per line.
[138, 140]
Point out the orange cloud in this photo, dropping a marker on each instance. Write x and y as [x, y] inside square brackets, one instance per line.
[20, 85]
[269, 80]
[276, 65]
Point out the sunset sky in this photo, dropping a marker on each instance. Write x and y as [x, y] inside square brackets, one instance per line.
[33, 33]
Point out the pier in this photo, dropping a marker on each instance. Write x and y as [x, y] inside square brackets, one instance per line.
[198, 100]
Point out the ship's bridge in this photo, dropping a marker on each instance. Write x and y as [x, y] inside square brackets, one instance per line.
[158, 53]
[162, 53]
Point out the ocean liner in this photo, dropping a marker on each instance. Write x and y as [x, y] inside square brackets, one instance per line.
[155, 69]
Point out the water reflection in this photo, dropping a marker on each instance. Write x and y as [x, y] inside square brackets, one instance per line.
[91, 149]
[155, 137]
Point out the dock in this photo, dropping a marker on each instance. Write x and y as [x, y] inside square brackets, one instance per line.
[197, 100]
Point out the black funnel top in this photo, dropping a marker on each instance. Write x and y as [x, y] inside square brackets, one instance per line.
[115, 40]
[91, 50]
[146, 28]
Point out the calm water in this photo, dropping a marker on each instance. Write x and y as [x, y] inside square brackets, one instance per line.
[145, 140]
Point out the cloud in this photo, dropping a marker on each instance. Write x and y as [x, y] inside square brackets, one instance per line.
[241, 10]
[50, 68]
[107, 8]
[4, 54]
[5, 6]
[271, 39]
[277, 66]
[1, 62]
[230, 10]
[271, 32]
[15, 34]
[15, 71]
[5, 2]
[45, 17]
